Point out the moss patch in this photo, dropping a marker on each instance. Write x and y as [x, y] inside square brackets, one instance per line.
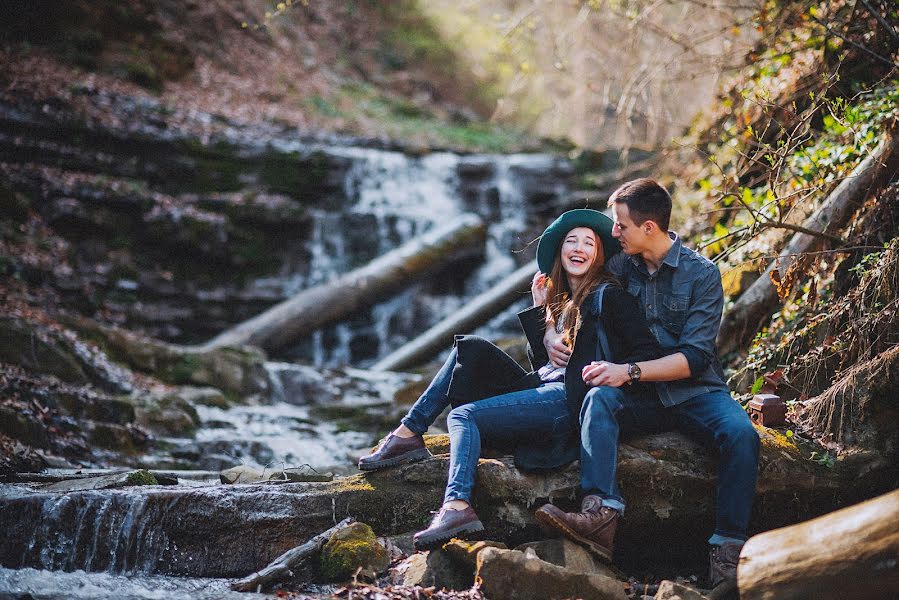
[142, 477]
[350, 549]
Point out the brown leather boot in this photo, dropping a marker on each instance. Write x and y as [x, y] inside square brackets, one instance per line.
[723, 561]
[594, 526]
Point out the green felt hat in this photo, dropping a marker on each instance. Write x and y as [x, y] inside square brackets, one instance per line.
[548, 246]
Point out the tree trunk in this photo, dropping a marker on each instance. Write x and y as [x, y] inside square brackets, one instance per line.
[475, 313]
[757, 303]
[311, 309]
[850, 553]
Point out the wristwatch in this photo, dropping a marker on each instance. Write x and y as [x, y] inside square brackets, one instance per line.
[634, 372]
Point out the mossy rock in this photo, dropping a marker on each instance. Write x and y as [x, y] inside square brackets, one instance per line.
[437, 443]
[142, 477]
[351, 548]
[166, 413]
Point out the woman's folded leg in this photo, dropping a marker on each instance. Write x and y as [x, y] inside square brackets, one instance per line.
[508, 419]
[505, 420]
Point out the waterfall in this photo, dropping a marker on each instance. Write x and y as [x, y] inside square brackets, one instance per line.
[112, 531]
[392, 197]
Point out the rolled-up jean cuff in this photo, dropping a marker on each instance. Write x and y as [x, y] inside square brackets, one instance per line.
[455, 496]
[614, 503]
[412, 426]
[718, 539]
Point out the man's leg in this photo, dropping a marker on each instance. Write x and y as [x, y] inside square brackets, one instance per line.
[606, 414]
[717, 419]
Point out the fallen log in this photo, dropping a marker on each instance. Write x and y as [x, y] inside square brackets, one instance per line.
[472, 315]
[850, 553]
[281, 567]
[311, 309]
[757, 303]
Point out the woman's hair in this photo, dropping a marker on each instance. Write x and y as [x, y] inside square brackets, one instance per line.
[563, 305]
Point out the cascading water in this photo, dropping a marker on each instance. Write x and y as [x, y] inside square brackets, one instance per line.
[391, 198]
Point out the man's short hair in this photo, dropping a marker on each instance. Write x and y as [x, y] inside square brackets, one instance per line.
[646, 200]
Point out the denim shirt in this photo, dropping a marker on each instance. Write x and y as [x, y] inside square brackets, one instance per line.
[682, 301]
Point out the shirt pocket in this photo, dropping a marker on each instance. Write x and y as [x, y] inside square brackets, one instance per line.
[636, 290]
[674, 312]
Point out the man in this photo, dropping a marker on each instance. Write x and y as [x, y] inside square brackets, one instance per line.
[681, 295]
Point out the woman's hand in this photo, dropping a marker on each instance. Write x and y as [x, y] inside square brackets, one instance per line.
[605, 373]
[556, 348]
[539, 289]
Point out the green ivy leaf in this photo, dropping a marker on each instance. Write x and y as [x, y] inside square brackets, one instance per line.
[757, 385]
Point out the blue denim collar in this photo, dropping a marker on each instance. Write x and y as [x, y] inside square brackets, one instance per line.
[671, 259]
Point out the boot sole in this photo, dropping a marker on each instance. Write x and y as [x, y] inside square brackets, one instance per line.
[438, 539]
[414, 456]
[551, 525]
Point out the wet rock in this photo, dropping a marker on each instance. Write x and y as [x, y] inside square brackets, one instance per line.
[121, 438]
[350, 549]
[204, 396]
[451, 566]
[23, 427]
[510, 574]
[167, 412]
[52, 351]
[215, 454]
[567, 554]
[104, 482]
[38, 350]
[16, 457]
[258, 209]
[245, 474]
[188, 229]
[670, 590]
[240, 371]
[110, 410]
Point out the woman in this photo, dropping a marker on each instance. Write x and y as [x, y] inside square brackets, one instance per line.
[497, 401]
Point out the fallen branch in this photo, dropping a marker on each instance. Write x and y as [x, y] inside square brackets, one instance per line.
[313, 308]
[757, 303]
[281, 567]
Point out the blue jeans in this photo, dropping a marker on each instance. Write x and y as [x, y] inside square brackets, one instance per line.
[505, 420]
[713, 418]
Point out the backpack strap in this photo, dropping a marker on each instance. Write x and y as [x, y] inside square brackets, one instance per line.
[603, 352]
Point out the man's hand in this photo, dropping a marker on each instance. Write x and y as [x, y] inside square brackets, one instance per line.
[539, 289]
[605, 373]
[556, 348]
